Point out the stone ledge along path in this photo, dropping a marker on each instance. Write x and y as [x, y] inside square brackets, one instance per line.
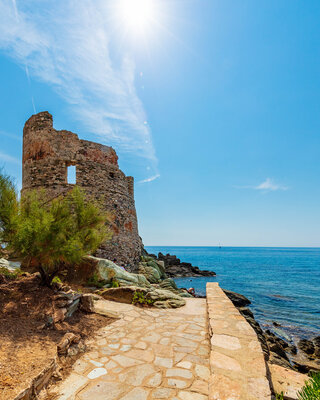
[238, 367]
[150, 354]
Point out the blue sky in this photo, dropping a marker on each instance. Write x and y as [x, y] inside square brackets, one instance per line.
[213, 107]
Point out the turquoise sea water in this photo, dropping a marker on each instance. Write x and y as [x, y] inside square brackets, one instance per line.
[283, 284]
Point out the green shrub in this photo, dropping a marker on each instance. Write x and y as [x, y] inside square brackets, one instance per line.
[140, 298]
[56, 279]
[50, 234]
[8, 207]
[115, 283]
[12, 275]
[95, 282]
[311, 390]
[279, 396]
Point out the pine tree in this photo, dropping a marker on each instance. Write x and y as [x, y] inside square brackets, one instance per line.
[50, 234]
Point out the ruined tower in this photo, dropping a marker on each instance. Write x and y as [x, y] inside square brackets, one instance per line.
[47, 155]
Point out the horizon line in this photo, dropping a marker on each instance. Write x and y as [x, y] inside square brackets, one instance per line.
[225, 246]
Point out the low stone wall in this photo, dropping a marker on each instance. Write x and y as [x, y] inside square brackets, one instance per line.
[39, 382]
[238, 368]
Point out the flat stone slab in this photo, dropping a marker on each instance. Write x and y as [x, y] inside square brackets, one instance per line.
[287, 381]
[145, 354]
[238, 369]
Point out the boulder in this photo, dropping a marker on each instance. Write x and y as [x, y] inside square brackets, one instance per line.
[316, 342]
[307, 346]
[152, 269]
[287, 381]
[159, 298]
[173, 267]
[108, 272]
[237, 299]
[67, 340]
[10, 265]
[169, 284]
[152, 274]
[121, 294]
[165, 299]
[87, 302]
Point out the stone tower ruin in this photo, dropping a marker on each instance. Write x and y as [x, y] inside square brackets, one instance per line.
[47, 155]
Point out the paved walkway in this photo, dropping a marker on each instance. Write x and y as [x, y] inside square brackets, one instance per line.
[145, 355]
[238, 368]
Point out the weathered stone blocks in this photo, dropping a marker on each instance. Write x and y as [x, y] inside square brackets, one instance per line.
[47, 153]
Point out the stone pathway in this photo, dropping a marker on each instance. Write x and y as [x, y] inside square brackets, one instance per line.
[238, 368]
[147, 354]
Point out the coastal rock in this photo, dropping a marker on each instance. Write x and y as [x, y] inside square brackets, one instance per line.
[169, 284]
[316, 342]
[165, 299]
[153, 270]
[283, 352]
[122, 294]
[175, 268]
[109, 272]
[287, 381]
[159, 298]
[9, 265]
[237, 299]
[306, 346]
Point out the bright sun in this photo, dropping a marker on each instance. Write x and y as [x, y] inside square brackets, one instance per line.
[137, 15]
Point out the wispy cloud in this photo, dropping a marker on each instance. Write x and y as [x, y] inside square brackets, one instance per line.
[268, 185]
[69, 45]
[10, 135]
[5, 158]
[152, 178]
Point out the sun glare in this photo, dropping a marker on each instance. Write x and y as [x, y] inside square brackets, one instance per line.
[137, 14]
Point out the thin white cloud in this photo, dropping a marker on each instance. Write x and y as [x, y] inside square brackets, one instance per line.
[150, 179]
[5, 158]
[268, 185]
[69, 45]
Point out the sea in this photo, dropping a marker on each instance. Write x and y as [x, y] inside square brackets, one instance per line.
[283, 284]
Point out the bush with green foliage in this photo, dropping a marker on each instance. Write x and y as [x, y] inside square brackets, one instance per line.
[140, 298]
[115, 283]
[8, 207]
[56, 279]
[11, 275]
[50, 234]
[279, 396]
[94, 281]
[311, 390]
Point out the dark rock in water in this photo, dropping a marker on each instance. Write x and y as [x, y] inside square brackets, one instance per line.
[316, 342]
[276, 324]
[306, 346]
[305, 368]
[237, 299]
[174, 268]
[293, 349]
[246, 313]
[278, 349]
[282, 352]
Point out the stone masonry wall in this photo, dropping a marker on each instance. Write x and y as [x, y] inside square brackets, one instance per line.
[47, 153]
